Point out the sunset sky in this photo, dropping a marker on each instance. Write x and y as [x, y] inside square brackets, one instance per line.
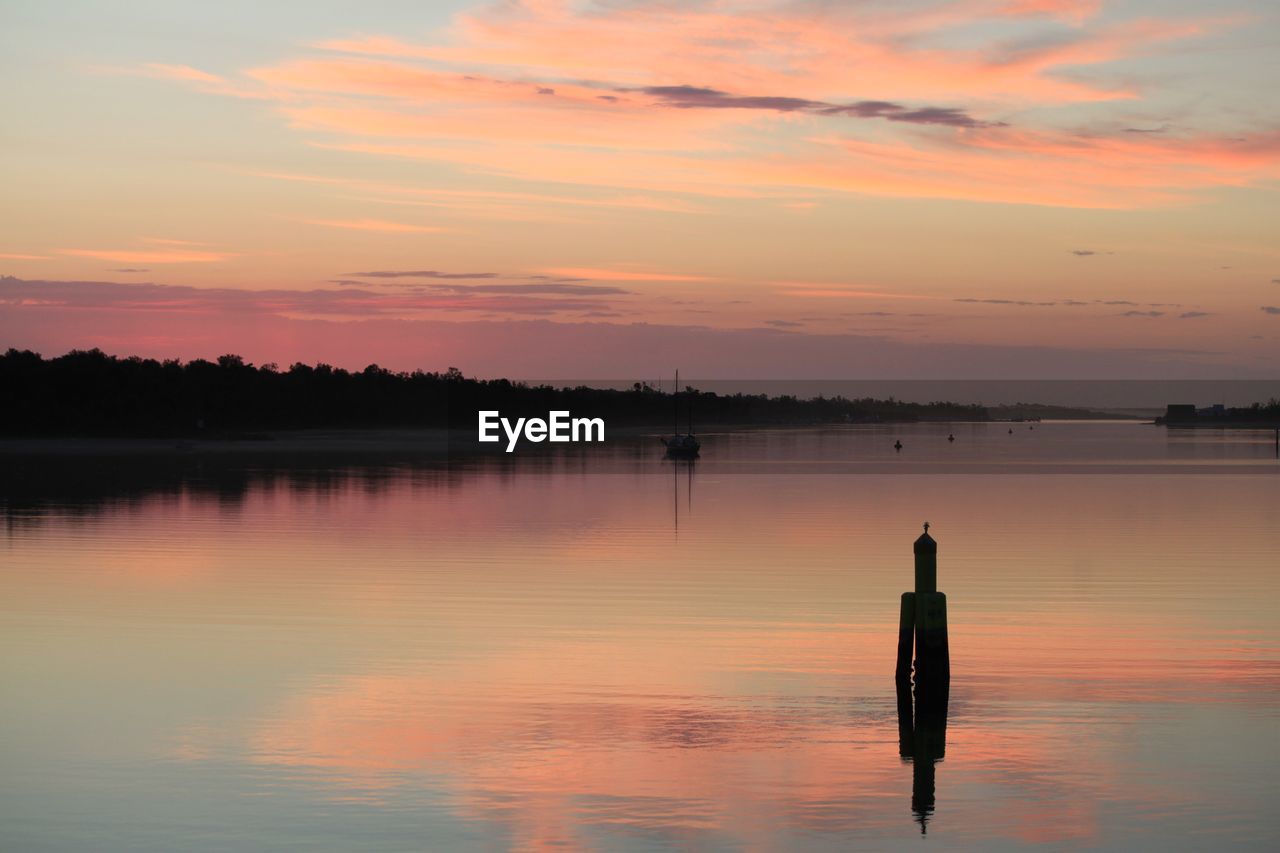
[976, 188]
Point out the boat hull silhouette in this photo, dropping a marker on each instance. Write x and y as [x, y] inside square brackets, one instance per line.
[682, 447]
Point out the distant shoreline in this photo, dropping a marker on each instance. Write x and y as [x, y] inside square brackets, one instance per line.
[134, 403]
[430, 441]
[1264, 425]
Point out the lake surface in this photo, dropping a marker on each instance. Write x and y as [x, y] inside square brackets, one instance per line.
[601, 649]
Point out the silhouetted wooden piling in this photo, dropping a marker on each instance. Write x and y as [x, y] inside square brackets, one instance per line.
[922, 624]
[906, 639]
[926, 551]
[922, 717]
[933, 654]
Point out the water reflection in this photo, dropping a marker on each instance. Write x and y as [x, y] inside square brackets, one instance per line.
[922, 740]
[491, 655]
[84, 481]
[678, 467]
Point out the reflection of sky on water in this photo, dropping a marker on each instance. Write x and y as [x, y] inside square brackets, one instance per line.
[495, 657]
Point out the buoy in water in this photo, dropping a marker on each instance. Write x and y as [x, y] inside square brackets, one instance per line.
[897, 445]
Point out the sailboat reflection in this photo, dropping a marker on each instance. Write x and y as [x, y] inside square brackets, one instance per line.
[922, 740]
[676, 466]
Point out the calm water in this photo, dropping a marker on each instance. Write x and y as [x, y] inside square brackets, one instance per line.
[605, 650]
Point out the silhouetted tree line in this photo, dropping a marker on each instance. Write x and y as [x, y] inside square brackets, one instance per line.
[1269, 410]
[92, 393]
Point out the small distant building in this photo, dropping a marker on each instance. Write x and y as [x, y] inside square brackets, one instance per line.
[1217, 410]
[1179, 413]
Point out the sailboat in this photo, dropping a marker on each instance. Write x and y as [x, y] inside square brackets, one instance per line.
[681, 446]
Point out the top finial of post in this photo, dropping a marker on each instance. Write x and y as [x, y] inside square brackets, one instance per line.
[925, 542]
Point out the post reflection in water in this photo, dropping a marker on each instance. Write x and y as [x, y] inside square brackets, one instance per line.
[922, 740]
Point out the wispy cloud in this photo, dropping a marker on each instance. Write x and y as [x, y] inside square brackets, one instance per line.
[171, 241]
[1194, 315]
[1018, 302]
[179, 72]
[497, 300]
[602, 274]
[559, 288]
[1270, 309]
[422, 274]
[1071, 11]
[661, 98]
[487, 202]
[147, 256]
[17, 256]
[695, 97]
[204, 81]
[384, 225]
[825, 290]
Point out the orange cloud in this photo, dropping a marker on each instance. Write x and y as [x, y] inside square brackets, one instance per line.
[1044, 168]
[180, 72]
[169, 241]
[1075, 11]
[733, 99]
[376, 225]
[16, 256]
[134, 256]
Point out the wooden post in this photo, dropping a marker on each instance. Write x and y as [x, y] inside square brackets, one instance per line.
[926, 551]
[922, 624]
[933, 655]
[922, 724]
[906, 639]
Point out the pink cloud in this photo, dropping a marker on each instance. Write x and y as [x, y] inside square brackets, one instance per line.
[1074, 11]
[733, 99]
[598, 274]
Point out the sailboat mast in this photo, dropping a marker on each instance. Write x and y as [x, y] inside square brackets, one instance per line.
[675, 406]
